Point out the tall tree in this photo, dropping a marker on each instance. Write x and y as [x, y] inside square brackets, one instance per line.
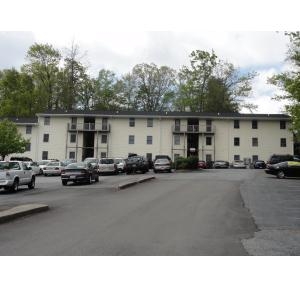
[154, 87]
[210, 84]
[43, 65]
[106, 93]
[289, 82]
[17, 94]
[11, 140]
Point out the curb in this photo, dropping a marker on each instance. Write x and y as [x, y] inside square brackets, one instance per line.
[22, 210]
[132, 183]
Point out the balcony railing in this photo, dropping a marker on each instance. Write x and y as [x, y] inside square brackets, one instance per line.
[88, 127]
[193, 129]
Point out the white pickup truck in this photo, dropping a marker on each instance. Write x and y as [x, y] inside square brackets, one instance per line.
[14, 174]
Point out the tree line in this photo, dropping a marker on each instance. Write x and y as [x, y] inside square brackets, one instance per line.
[51, 80]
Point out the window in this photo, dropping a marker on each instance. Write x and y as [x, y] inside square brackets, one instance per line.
[208, 158]
[208, 126]
[104, 124]
[28, 147]
[236, 157]
[236, 124]
[45, 155]
[236, 141]
[71, 155]
[176, 156]
[176, 139]
[282, 124]
[282, 142]
[254, 158]
[149, 156]
[208, 141]
[177, 124]
[149, 122]
[104, 138]
[47, 120]
[103, 155]
[73, 138]
[254, 142]
[46, 138]
[28, 129]
[131, 122]
[149, 140]
[131, 139]
[254, 124]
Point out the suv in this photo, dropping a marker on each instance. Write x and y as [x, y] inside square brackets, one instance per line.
[137, 163]
[277, 158]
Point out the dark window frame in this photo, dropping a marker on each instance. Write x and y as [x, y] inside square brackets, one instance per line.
[71, 153]
[149, 140]
[46, 138]
[149, 122]
[208, 141]
[47, 120]
[28, 129]
[131, 122]
[104, 136]
[236, 141]
[236, 157]
[236, 124]
[282, 124]
[72, 139]
[282, 142]
[254, 124]
[177, 139]
[45, 155]
[254, 142]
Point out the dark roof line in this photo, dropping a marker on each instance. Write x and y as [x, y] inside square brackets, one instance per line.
[21, 120]
[163, 114]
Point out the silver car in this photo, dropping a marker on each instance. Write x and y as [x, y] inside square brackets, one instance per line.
[108, 166]
[54, 168]
[121, 164]
[162, 164]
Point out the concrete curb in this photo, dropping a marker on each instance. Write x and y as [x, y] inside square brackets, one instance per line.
[22, 210]
[134, 182]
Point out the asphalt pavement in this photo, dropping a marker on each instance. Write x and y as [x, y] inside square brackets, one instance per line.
[210, 212]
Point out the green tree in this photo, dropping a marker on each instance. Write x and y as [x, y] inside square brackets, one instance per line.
[153, 87]
[212, 85]
[43, 66]
[289, 82]
[107, 95]
[17, 94]
[11, 140]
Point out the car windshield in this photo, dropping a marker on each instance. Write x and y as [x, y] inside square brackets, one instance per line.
[107, 161]
[79, 165]
[162, 161]
[43, 162]
[53, 164]
[90, 160]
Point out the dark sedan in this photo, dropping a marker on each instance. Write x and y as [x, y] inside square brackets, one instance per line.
[259, 164]
[221, 164]
[79, 172]
[284, 169]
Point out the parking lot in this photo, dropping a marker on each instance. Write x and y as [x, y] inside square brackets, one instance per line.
[207, 212]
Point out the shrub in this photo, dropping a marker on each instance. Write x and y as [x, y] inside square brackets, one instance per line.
[190, 162]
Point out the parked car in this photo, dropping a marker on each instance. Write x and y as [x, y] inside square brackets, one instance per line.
[93, 161]
[284, 169]
[202, 164]
[107, 165]
[42, 164]
[137, 164]
[277, 158]
[68, 161]
[162, 164]
[221, 164]
[121, 164]
[14, 174]
[162, 157]
[239, 164]
[259, 164]
[35, 167]
[79, 172]
[54, 168]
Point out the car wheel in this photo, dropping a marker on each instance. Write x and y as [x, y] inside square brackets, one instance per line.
[170, 171]
[45, 174]
[31, 185]
[280, 175]
[97, 178]
[15, 186]
[64, 182]
[154, 171]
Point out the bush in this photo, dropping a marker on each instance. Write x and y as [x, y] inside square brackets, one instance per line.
[190, 162]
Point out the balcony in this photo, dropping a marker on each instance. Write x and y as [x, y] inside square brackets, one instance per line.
[89, 127]
[196, 129]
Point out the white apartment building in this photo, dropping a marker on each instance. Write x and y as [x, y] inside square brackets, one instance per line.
[210, 136]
